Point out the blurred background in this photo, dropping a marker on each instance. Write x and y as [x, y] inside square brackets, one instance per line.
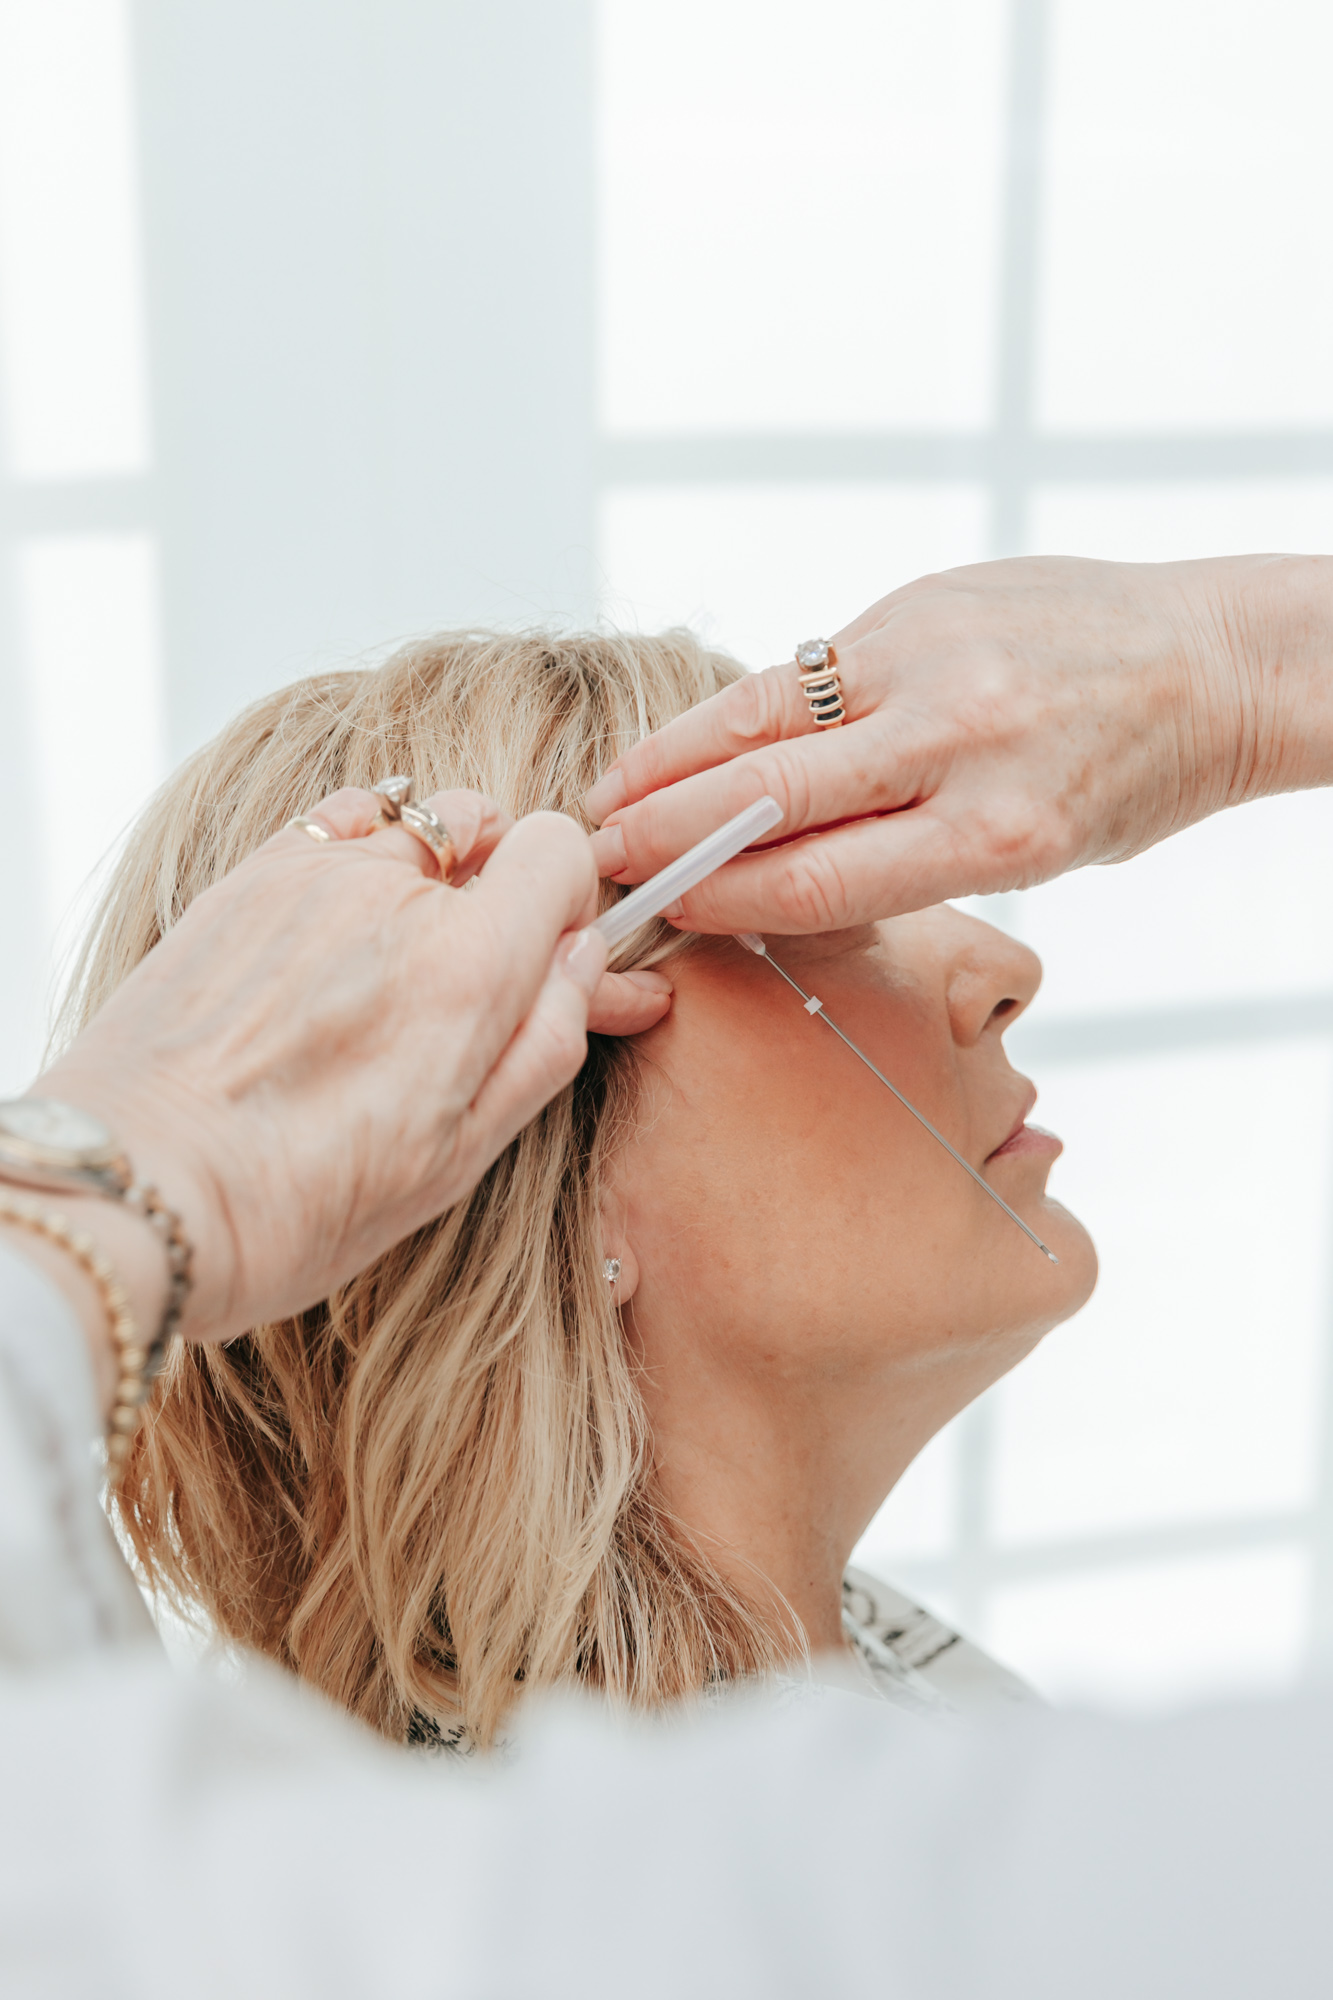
[325, 322]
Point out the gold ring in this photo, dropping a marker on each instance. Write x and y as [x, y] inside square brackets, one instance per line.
[434, 834]
[393, 794]
[397, 809]
[310, 826]
[821, 683]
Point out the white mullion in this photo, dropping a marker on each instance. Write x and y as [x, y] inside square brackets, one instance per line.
[1016, 363]
[970, 1570]
[1016, 359]
[996, 1565]
[884, 457]
[22, 862]
[1320, 1640]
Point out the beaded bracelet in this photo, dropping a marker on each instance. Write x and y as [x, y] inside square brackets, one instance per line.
[133, 1372]
[145, 1201]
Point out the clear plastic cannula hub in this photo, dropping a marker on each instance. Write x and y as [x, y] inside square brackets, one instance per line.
[660, 891]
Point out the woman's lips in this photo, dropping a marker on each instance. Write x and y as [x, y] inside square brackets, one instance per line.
[1029, 1139]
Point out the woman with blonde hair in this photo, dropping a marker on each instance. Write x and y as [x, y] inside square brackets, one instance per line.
[619, 1417]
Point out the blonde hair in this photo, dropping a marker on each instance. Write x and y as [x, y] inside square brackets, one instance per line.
[434, 1488]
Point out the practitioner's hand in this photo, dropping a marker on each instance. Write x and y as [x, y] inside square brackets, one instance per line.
[329, 1048]
[1006, 722]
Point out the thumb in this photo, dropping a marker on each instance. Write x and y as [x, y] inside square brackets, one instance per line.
[545, 1052]
[626, 1003]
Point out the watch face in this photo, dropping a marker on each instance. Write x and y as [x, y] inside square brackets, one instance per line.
[45, 1123]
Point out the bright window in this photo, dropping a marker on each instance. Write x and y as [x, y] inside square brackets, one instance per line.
[915, 286]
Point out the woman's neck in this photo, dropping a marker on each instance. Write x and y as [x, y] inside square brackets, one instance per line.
[777, 1479]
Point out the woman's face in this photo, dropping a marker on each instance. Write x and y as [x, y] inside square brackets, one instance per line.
[778, 1206]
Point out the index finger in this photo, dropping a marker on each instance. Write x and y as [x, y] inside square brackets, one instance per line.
[761, 709]
[821, 780]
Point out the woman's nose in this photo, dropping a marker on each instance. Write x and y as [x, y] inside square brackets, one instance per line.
[991, 979]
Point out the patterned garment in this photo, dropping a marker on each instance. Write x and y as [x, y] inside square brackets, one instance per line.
[913, 1659]
[896, 1652]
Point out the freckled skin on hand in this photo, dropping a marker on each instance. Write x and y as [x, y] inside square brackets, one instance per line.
[1006, 722]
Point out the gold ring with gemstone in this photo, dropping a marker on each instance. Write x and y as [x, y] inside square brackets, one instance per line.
[821, 683]
[397, 809]
[393, 794]
[313, 827]
[434, 834]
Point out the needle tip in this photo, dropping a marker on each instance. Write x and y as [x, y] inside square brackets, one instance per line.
[1051, 1254]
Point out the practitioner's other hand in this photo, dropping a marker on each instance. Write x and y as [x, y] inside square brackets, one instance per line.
[330, 1047]
[1005, 722]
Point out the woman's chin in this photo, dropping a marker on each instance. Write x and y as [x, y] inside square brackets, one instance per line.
[1077, 1268]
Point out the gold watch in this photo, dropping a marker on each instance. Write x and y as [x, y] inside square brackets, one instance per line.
[47, 1144]
[55, 1146]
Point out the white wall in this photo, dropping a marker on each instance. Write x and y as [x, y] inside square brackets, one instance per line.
[369, 239]
[296, 311]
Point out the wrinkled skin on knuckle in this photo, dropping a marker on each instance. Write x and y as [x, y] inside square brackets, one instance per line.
[809, 894]
[769, 696]
[644, 766]
[783, 776]
[755, 708]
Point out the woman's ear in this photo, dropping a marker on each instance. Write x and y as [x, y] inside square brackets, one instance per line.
[620, 1266]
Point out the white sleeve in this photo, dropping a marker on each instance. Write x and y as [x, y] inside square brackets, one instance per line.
[164, 1833]
[64, 1587]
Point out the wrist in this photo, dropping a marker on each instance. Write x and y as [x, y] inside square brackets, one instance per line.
[128, 1243]
[157, 1139]
[1277, 612]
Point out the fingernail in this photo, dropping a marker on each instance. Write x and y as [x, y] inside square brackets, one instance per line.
[674, 913]
[581, 957]
[606, 796]
[649, 981]
[608, 848]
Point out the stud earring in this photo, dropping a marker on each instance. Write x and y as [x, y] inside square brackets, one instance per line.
[611, 1269]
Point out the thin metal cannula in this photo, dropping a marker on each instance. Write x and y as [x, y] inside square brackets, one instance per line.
[756, 944]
